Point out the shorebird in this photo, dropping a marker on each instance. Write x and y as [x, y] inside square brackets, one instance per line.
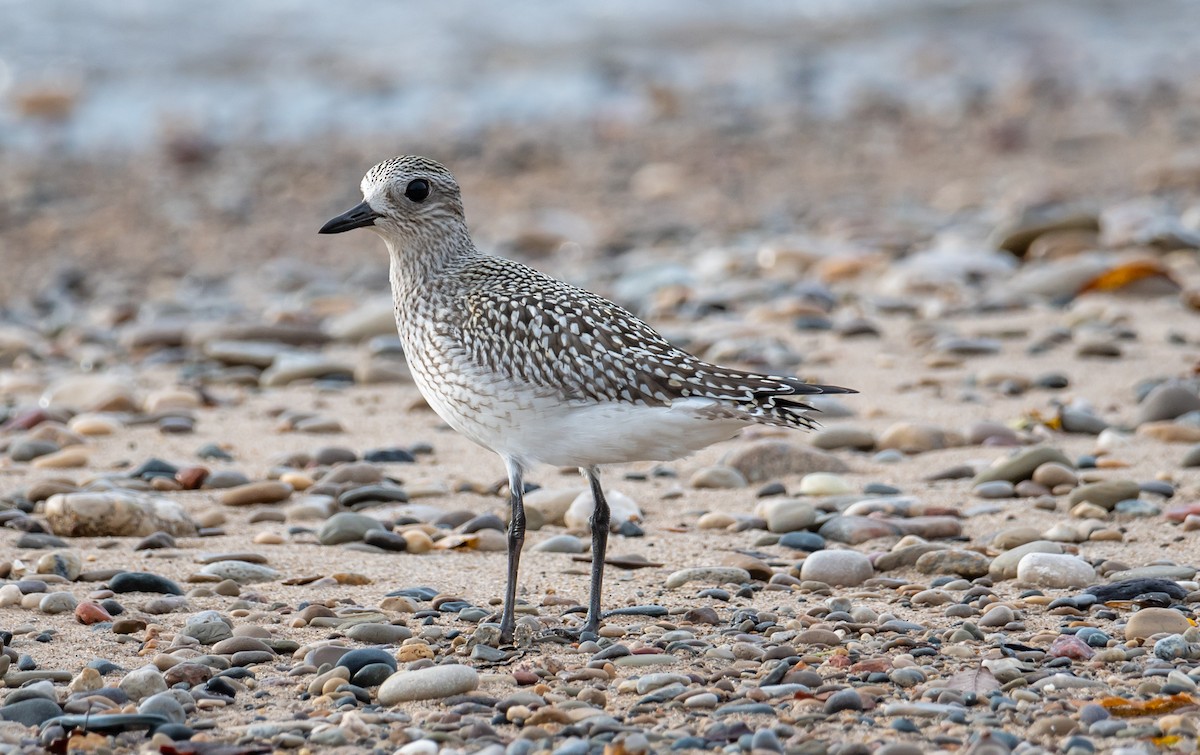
[542, 372]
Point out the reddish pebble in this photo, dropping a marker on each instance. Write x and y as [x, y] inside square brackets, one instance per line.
[525, 678]
[1070, 646]
[191, 478]
[26, 420]
[88, 612]
[1181, 511]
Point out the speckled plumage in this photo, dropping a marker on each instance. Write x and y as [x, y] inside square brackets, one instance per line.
[538, 370]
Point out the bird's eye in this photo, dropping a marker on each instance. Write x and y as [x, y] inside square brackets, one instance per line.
[418, 190]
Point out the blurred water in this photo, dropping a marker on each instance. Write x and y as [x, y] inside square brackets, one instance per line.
[289, 69]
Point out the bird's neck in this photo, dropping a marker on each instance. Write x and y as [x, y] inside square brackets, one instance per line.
[419, 265]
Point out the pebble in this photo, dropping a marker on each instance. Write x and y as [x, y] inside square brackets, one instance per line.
[1022, 465]
[824, 483]
[116, 514]
[717, 477]
[1105, 494]
[713, 575]
[560, 544]
[242, 572]
[133, 581]
[995, 489]
[764, 460]
[1148, 622]
[347, 527]
[143, 682]
[844, 436]
[428, 684]
[1166, 402]
[915, 438]
[267, 491]
[623, 509]
[788, 515]
[1055, 570]
[844, 568]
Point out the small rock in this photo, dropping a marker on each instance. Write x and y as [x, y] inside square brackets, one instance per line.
[764, 460]
[717, 477]
[347, 527]
[1022, 465]
[242, 572]
[714, 575]
[789, 515]
[428, 684]
[845, 568]
[914, 438]
[266, 491]
[1055, 570]
[1166, 402]
[1148, 622]
[143, 682]
[622, 507]
[824, 483]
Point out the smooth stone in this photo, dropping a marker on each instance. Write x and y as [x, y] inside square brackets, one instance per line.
[560, 544]
[347, 527]
[32, 712]
[289, 367]
[763, 460]
[385, 539]
[845, 699]
[845, 568]
[95, 392]
[428, 684]
[964, 563]
[1148, 622]
[379, 634]
[551, 504]
[357, 659]
[1164, 432]
[241, 572]
[1021, 466]
[1191, 458]
[57, 602]
[1166, 402]
[802, 541]
[143, 682]
[1004, 566]
[65, 563]
[622, 509]
[717, 477]
[1055, 570]
[116, 514]
[824, 483]
[68, 458]
[715, 575]
[135, 581]
[994, 489]
[39, 541]
[1105, 494]
[30, 449]
[1052, 474]
[852, 530]
[844, 436]
[163, 704]
[915, 438]
[789, 515]
[225, 479]
[265, 491]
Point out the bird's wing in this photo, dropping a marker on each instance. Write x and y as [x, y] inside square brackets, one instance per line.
[579, 346]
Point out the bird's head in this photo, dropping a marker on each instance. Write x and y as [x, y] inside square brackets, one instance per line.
[406, 200]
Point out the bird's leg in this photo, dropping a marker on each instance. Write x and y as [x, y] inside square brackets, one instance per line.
[600, 520]
[516, 539]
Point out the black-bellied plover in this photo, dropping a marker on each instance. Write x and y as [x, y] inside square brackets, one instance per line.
[540, 371]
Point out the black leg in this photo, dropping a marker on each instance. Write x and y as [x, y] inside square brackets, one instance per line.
[600, 522]
[516, 539]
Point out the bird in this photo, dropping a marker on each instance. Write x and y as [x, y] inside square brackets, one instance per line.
[540, 371]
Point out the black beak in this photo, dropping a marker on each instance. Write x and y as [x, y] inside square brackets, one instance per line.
[358, 216]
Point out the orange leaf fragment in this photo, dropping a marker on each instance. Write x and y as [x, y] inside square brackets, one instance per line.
[1125, 274]
[1120, 706]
